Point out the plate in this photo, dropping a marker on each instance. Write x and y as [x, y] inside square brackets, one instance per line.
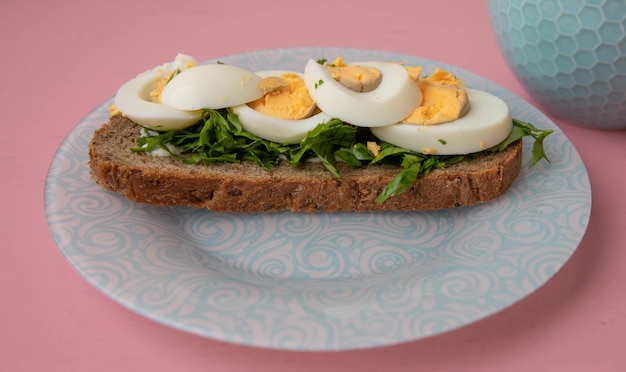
[321, 281]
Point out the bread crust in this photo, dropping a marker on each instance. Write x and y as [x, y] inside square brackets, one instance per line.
[246, 187]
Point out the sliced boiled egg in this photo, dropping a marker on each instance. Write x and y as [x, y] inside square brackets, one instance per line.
[389, 102]
[487, 123]
[285, 113]
[443, 99]
[212, 86]
[134, 99]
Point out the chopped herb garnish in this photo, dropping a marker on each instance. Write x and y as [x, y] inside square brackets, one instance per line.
[442, 141]
[324, 61]
[173, 74]
[318, 83]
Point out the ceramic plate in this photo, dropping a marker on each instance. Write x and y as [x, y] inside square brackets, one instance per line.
[321, 281]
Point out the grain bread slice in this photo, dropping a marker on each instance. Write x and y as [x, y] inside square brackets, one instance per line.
[246, 187]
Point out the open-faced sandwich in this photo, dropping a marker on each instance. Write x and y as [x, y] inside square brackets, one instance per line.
[358, 136]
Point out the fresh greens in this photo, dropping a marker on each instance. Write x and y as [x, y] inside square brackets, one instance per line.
[219, 138]
[324, 141]
[522, 129]
[414, 163]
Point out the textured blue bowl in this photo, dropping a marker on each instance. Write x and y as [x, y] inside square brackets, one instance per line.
[570, 55]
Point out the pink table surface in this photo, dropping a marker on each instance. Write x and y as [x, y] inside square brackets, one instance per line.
[60, 59]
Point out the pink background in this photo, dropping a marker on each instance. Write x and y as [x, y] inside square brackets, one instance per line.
[60, 59]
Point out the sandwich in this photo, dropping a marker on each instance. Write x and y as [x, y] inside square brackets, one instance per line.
[359, 136]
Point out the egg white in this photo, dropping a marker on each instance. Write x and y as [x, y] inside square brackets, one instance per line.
[277, 129]
[487, 123]
[133, 101]
[211, 86]
[394, 99]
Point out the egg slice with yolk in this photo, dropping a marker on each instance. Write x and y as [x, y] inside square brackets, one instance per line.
[285, 114]
[444, 99]
[134, 99]
[211, 86]
[392, 100]
[487, 123]
[285, 97]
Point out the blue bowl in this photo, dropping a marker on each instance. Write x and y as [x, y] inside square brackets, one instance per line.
[570, 55]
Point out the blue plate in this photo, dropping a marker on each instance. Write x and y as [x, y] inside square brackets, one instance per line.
[321, 281]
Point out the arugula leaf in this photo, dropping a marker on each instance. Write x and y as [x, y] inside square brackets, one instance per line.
[522, 129]
[537, 151]
[361, 152]
[413, 164]
[206, 138]
[400, 183]
[324, 141]
[349, 157]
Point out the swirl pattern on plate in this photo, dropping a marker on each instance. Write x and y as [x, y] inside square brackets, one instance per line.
[321, 281]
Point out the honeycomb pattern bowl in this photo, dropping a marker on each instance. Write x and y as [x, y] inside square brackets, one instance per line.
[570, 56]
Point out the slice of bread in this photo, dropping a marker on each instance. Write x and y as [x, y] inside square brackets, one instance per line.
[246, 187]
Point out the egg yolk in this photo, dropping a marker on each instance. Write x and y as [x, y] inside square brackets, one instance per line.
[373, 147]
[444, 98]
[354, 77]
[285, 97]
[415, 72]
[155, 93]
[113, 110]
